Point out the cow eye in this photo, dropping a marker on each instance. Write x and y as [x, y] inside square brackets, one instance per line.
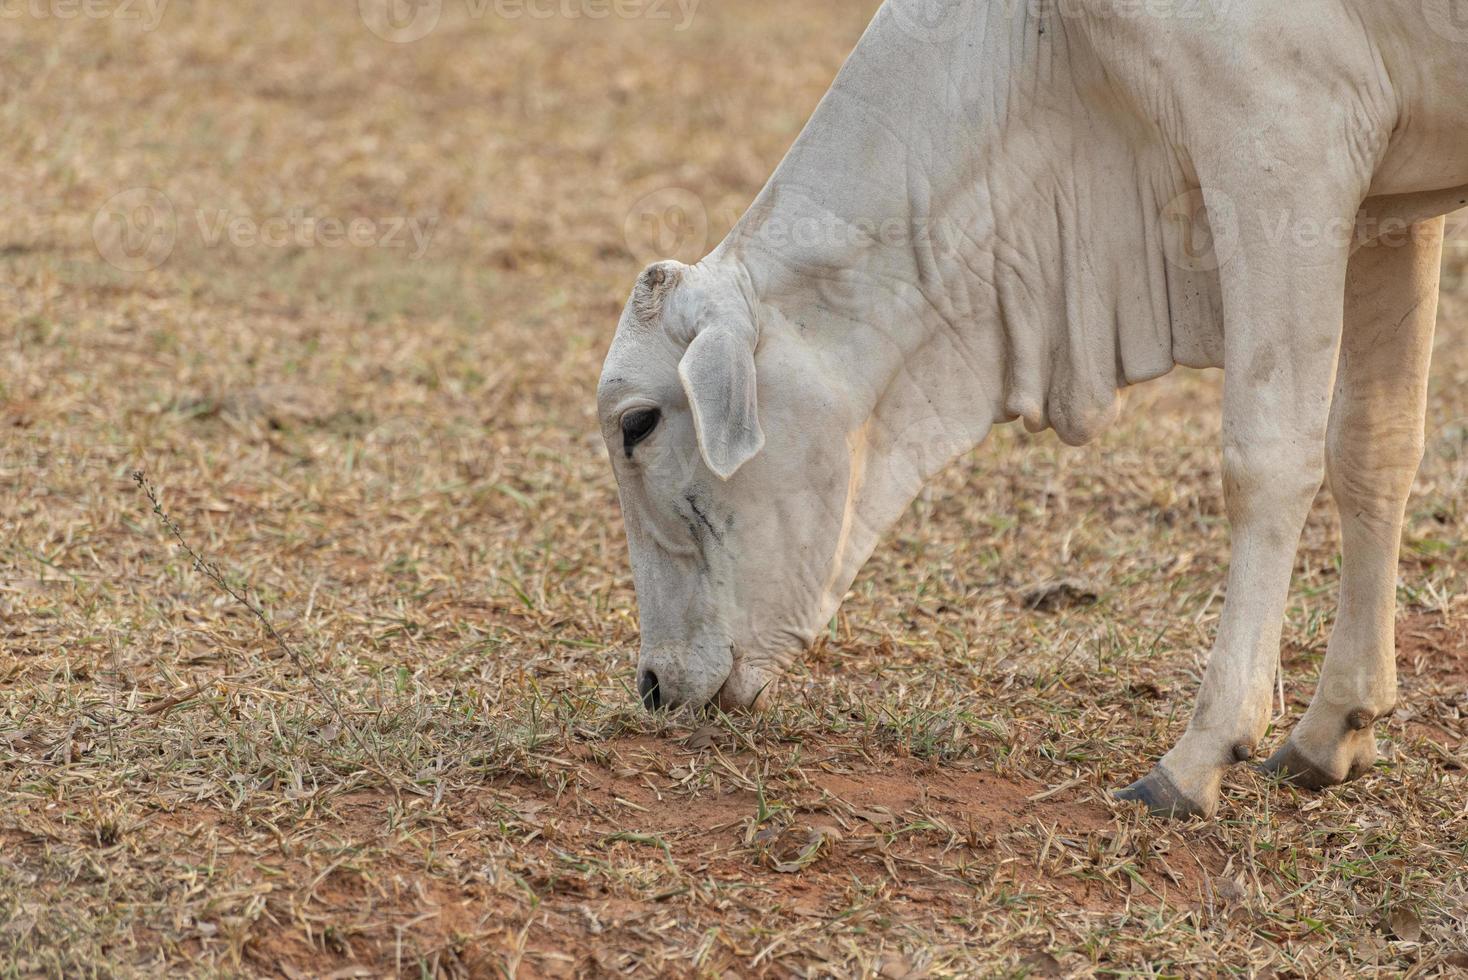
[637, 426]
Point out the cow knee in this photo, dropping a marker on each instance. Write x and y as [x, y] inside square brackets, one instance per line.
[1271, 480]
[1371, 471]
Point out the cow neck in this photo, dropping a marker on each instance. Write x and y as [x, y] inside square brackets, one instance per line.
[969, 246]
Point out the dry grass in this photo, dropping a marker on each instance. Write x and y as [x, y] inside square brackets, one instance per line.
[397, 458]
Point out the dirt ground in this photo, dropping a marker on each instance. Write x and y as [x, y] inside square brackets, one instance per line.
[384, 435]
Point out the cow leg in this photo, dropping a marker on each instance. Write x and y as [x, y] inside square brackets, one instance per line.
[1373, 450]
[1283, 306]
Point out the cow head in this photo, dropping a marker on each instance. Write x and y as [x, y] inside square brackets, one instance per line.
[730, 443]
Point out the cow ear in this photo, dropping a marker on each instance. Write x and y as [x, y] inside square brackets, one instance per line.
[718, 377]
[653, 287]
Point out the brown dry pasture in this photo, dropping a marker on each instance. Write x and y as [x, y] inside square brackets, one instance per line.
[385, 439]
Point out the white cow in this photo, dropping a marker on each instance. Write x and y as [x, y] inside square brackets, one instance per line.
[995, 214]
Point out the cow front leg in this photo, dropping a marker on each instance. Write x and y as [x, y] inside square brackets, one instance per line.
[1373, 451]
[1283, 320]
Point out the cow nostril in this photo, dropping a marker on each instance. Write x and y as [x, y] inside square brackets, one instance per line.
[647, 686]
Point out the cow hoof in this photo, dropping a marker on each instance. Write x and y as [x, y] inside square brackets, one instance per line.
[1162, 797]
[1290, 765]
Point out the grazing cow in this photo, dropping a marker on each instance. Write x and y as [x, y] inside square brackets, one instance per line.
[1011, 209]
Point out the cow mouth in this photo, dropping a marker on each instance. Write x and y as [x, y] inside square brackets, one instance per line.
[745, 690]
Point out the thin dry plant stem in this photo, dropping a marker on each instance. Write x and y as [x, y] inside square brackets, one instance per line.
[303, 661]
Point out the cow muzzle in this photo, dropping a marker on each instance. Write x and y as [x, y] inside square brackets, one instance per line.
[672, 679]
